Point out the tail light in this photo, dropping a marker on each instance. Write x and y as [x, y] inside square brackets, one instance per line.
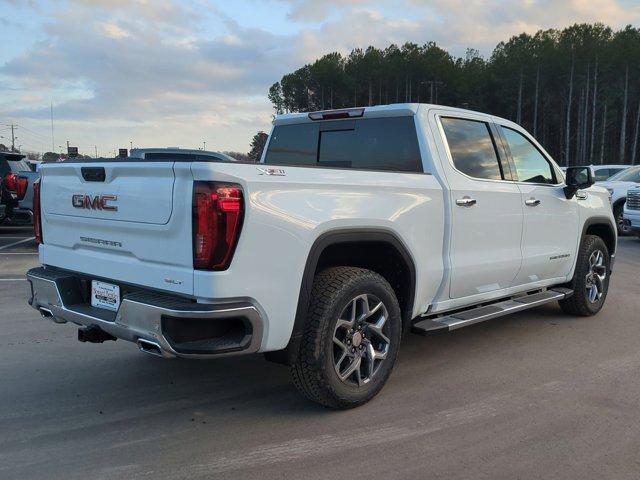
[217, 218]
[16, 184]
[37, 223]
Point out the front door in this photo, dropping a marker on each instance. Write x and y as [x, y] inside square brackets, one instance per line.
[487, 213]
[550, 220]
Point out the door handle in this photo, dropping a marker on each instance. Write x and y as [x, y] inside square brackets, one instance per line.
[532, 202]
[466, 201]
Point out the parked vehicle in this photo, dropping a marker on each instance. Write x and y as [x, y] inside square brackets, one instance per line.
[358, 226]
[16, 188]
[618, 185]
[604, 172]
[632, 211]
[172, 152]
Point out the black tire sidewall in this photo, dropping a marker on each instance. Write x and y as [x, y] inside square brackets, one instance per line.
[595, 243]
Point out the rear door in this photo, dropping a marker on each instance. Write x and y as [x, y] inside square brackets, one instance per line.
[126, 221]
[550, 219]
[486, 215]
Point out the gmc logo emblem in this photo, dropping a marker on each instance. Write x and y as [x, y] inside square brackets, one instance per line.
[99, 202]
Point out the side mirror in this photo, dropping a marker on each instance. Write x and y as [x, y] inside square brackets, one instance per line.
[578, 178]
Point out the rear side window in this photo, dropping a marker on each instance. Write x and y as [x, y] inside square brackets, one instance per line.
[369, 144]
[531, 166]
[472, 148]
[293, 145]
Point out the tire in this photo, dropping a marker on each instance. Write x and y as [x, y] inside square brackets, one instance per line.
[350, 309]
[591, 275]
[618, 214]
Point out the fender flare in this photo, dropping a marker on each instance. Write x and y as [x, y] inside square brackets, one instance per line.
[365, 235]
[601, 220]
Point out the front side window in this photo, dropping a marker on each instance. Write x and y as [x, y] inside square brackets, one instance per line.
[627, 175]
[472, 148]
[602, 174]
[531, 166]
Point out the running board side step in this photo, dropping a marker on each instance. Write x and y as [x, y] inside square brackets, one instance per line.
[474, 315]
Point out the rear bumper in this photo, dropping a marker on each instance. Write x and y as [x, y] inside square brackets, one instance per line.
[159, 324]
[19, 215]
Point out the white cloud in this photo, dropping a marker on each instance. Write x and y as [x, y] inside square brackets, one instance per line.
[179, 72]
[112, 30]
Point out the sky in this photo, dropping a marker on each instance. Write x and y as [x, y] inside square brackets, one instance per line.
[179, 73]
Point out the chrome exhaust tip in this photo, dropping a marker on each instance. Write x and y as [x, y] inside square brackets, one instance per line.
[149, 347]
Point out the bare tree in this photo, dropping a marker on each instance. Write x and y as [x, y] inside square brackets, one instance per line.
[567, 146]
[593, 112]
[604, 131]
[535, 102]
[635, 137]
[623, 126]
[519, 115]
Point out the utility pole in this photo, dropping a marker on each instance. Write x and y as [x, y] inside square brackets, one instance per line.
[95, 147]
[204, 145]
[13, 138]
[53, 148]
[130, 146]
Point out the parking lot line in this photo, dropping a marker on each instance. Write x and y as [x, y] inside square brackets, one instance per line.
[18, 253]
[17, 243]
[13, 279]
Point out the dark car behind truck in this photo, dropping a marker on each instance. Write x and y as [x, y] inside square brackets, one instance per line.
[16, 189]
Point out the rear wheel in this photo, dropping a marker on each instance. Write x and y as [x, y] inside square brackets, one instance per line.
[591, 279]
[351, 338]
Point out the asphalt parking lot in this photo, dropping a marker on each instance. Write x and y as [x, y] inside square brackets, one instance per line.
[533, 395]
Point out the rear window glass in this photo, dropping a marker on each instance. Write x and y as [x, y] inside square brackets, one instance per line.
[18, 166]
[371, 144]
[183, 157]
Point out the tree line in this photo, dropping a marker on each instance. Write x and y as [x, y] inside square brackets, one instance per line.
[577, 90]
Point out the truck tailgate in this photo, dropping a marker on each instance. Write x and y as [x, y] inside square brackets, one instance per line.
[125, 221]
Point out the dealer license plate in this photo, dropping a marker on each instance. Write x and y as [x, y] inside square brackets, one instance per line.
[105, 295]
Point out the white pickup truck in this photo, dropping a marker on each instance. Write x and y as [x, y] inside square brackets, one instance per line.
[358, 226]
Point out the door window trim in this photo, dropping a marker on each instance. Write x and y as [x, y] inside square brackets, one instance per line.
[499, 151]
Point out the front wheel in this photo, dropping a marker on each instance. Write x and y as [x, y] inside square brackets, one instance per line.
[618, 213]
[351, 338]
[590, 282]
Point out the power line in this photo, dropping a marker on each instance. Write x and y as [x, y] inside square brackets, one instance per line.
[31, 131]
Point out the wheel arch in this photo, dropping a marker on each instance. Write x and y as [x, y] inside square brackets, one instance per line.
[603, 228]
[618, 202]
[350, 247]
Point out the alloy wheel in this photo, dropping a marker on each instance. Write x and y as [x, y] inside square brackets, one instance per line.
[360, 340]
[596, 276]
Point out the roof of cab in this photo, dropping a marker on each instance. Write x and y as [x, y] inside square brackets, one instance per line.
[394, 110]
[377, 111]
